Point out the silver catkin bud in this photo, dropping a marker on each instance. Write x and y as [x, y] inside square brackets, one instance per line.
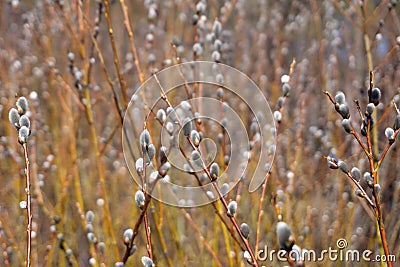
[254, 127]
[220, 138]
[186, 105]
[203, 178]
[24, 121]
[14, 117]
[169, 127]
[162, 171]
[356, 174]
[139, 199]
[68, 252]
[133, 249]
[344, 111]
[232, 207]
[127, 236]
[369, 179]
[220, 93]
[161, 115]
[217, 44]
[219, 78]
[285, 89]
[147, 262]
[389, 133]
[277, 116]
[89, 216]
[102, 247]
[359, 193]
[224, 189]
[198, 49]
[92, 238]
[151, 151]
[89, 227]
[346, 125]
[188, 168]
[23, 134]
[195, 137]
[340, 98]
[144, 138]
[284, 235]
[224, 122]
[71, 56]
[377, 188]
[187, 127]
[171, 113]
[226, 159]
[22, 105]
[332, 161]
[195, 155]
[370, 109]
[375, 96]
[396, 124]
[217, 27]
[343, 166]
[139, 166]
[245, 230]
[280, 102]
[201, 7]
[216, 56]
[214, 171]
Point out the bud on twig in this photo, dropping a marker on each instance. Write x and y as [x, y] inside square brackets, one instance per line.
[214, 171]
[232, 207]
[140, 199]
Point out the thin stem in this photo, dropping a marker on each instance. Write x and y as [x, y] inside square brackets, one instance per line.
[138, 223]
[115, 98]
[28, 206]
[354, 133]
[132, 40]
[148, 236]
[68, 24]
[227, 245]
[261, 211]
[330, 97]
[163, 245]
[378, 210]
[201, 237]
[396, 108]
[114, 49]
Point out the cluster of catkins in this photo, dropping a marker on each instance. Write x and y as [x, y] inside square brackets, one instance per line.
[19, 119]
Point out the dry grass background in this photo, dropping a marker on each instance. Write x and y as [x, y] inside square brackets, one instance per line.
[259, 38]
